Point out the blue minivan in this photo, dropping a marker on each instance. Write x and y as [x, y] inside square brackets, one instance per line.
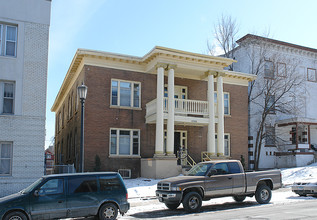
[101, 194]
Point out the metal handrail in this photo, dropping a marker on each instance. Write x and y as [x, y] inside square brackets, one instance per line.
[204, 156]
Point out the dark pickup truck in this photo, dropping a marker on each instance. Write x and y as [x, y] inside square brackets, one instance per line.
[213, 179]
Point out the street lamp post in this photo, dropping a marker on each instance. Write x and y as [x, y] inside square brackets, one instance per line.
[82, 93]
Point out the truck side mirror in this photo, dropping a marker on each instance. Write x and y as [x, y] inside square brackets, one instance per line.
[212, 172]
[36, 193]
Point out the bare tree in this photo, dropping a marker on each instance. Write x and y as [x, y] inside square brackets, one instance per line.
[272, 95]
[225, 35]
[268, 96]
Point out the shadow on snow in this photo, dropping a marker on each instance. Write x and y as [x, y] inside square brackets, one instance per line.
[205, 208]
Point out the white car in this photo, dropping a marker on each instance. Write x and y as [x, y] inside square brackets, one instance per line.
[306, 187]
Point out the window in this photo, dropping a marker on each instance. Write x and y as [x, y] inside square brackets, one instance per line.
[82, 184]
[311, 74]
[226, 103]
[6, 97]
[234, 167]
[1, 38]
[222, 168]
[270, 104]
[124, 142]
[227, 144]
[126, 94]
[8, 40]
[269, 136]
[281, 69]
[59, 121]
[51, 187]
[269, 69]
[108, 183]
[5, 158]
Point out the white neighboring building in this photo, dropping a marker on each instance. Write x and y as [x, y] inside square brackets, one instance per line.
[24, 33]
[294, 134]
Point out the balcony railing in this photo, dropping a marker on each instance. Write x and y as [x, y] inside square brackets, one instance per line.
[182, 106]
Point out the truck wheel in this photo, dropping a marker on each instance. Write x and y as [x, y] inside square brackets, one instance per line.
[108, 211]
[239, 198]
[172, 206]
[192, 202]
[302, 194]
[15, 216]
[263, 194]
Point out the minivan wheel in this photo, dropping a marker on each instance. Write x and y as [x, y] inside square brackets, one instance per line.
[192, 202]
[263, 194]
[15, 216]
[108, 211]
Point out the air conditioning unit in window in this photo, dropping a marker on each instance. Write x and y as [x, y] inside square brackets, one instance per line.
[125, 173]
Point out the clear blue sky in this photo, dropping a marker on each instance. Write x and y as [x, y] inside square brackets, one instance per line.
[134, 27]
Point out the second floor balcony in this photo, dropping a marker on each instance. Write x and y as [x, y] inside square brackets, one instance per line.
[187, 112]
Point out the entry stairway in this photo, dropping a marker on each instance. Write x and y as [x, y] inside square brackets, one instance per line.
[187, 162]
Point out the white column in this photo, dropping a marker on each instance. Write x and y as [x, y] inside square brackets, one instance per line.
[171, 110]
[221, 120]
[211, 148]
[159, 138]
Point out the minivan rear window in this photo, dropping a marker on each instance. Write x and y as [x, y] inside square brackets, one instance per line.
[109, 183]
[82, 184]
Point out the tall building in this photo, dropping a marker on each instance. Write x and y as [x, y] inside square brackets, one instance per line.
[24, 33]
[141, 110]
[285, 88]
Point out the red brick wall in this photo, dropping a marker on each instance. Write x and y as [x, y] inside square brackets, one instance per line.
[99, 118]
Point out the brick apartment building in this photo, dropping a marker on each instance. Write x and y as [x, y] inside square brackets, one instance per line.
[131, 123]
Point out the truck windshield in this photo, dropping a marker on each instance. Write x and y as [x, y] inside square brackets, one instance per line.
[31, 187]
[199, 169]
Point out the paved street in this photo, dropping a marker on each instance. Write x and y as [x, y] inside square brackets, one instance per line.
[233, 210]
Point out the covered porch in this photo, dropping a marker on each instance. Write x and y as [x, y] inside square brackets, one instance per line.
[171, 108]
[301, 136]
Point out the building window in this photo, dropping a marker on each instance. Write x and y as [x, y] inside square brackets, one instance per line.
[227, 144]
[269, 136]
[7, 97]
[281, 69]
[311, 74]
[270, 104]
[269, 69]
[125, 93]
[226, 103]
[124, 142]
[5, 158]
[8, 40]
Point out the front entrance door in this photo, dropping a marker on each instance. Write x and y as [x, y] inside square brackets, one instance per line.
[180, 146]
[180, 141]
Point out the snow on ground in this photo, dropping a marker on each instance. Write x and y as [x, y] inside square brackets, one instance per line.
[291, 175]
[141, 191]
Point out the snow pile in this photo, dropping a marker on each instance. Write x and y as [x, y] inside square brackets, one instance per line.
[141, 187]
[298, 174]
[145, 188]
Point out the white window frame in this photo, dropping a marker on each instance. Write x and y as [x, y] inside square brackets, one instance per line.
[16, 39]
[2, 83]
[131, 142]
[1, 40]
[216, 103]
[11, 157]
[225, 140]
[269, 75]
[311, 75]
[132, 94]
[270, 137]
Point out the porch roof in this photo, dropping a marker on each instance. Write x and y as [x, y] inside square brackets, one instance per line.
[296, 120]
